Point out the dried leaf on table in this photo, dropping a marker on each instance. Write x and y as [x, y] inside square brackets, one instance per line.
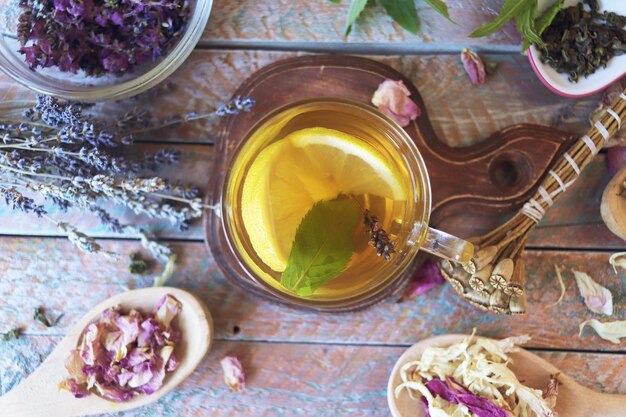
[234, 374]
[561, 284]
[597, 298]
[393, 99]
[41, 316]
[427, 277]
[611, 331]
[11, 334]
[616, 262]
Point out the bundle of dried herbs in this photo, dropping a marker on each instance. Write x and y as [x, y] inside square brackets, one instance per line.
[581, 39]
[59, 154]
[99, 36]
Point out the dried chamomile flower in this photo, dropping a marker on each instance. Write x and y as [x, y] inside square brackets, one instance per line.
[618, 260]
[612, 331]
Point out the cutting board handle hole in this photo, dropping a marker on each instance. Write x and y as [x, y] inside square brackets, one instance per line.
[510, 169]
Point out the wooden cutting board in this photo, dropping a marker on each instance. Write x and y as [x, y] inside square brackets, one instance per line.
[469, 184]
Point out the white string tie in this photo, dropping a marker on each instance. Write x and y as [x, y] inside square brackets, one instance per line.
[572, 163]
[592, 146]
[623, 96]
[546, 197]
[602, 130]
[559, 180]
[531, 213]
[616, 117]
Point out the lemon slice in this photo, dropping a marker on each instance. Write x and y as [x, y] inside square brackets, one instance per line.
[307, 166]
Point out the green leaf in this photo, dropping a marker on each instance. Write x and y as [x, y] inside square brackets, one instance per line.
[545, 20]
[335, 1]
[510, 9]
[525, 23]
[355, 10]
[322, 247]
[441, 7]
[403, 12]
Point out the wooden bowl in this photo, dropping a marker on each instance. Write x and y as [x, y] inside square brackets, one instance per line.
[613, 206]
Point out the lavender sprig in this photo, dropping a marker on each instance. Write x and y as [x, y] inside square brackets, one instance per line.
[60, 154]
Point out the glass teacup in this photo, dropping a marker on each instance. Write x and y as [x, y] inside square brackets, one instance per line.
[246, 251]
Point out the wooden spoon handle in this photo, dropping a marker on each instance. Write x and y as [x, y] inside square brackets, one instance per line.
[607, 405]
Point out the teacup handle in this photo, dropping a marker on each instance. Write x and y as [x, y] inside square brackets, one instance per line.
[446, 246]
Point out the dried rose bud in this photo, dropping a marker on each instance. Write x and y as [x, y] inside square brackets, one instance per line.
[234, 374]
[428, 276]
[392, 98]
[474, 66]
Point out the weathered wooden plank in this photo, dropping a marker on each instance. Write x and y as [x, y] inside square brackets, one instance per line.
[320, 21]
[51, 273]
[461, 114]
[296, 379]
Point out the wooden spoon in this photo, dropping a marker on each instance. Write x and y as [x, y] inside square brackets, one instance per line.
[613, 205]
[573, 400]
[39, 395]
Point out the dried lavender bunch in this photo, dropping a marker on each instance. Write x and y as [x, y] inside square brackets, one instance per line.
[379, 238]
[62, 155]
[99, 36]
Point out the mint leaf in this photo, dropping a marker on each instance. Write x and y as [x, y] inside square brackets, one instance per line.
[441, 7]
[322, 247]
[510, 9]
[548, 16]
[403, 12]
[525, 23]
[355, 10]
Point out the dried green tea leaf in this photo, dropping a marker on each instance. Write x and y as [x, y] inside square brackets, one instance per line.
[597, 298]
[561, 284]
[41, 317]
[11, 334]
[322, 247]
[616, 262]
[355, 10]
[403, 12]
[611, 331]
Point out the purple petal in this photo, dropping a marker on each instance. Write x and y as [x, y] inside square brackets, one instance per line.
[165, 311]
[393, 99]
[427, 277]
[77, 390]
[474, 66]
[234, 374]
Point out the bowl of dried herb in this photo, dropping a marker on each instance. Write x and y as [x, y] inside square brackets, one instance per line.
[584, 47]
[96, 50]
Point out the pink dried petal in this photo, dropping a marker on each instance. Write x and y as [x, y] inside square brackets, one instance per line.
[112, 393]
[455, 393]
[393, 99]
[147, 329]
[474, 66]
[615, 159]
[158, 371]
[91, 346]
[428, 276]
[167, 308]
[74, 365]
[172, 364]
[142, 374]
[234, 374]
[597, 298]
[78, 390]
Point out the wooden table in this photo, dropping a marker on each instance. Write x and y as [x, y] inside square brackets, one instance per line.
[302, 364]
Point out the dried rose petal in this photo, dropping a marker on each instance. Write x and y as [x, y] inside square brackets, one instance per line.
[234, 374]
[78, 390]
[474, 66]
[455, 393]
[393, 99]
[167, 308]
[597, 298]
[427, 277]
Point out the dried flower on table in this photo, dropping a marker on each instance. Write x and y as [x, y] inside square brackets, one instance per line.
[138, 265]
[597, 298]
[41, 316]
[618, 260]
[11, 335]
[99, 36]
[428, 276]
[234, 374]
[60, 153]
[474, 66]
[551, 392]
[379, 238]
[612, 331]
[125, 353]
[561, 285]
[393, 99]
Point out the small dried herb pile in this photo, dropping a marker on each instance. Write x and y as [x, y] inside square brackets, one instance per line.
[99, 36]
[581, 39]
[58, 153]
